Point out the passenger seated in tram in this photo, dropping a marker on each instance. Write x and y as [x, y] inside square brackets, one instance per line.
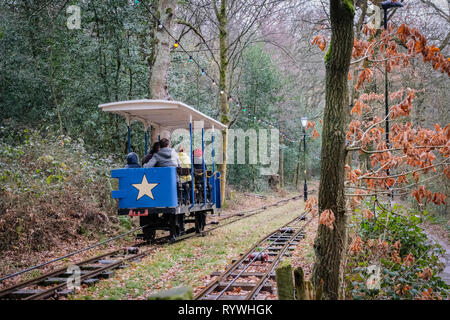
[155, 149]
[132, 161]
[198, 159]
[185, 162]
[165, 157]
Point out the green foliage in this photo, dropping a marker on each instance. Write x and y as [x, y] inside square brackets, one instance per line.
[49, 71]
[408, 262]
[349, 5]
[125, 222]
[261, 82]
[51, 189]
[82, 65]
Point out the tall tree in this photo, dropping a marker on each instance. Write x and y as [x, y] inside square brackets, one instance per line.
[234, 24]
[159, 58]
[329, 242]
[221, 14]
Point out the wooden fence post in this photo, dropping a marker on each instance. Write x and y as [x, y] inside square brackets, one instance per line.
[285, 284]
[309, 290]
[300, 287]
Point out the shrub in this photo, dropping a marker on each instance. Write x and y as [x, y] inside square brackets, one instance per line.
[52, 191]
[391, 251]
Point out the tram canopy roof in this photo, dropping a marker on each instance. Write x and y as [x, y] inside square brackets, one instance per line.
[167, 114]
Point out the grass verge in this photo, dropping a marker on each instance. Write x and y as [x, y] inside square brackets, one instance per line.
[190, 262]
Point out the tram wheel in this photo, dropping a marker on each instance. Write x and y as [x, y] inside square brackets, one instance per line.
[149, 234]
[200, 221]
[176, 227]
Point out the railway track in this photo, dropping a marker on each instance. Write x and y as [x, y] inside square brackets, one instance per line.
[56, 283]
[252, 277]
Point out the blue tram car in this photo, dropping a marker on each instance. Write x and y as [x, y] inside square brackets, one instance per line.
[157, 195]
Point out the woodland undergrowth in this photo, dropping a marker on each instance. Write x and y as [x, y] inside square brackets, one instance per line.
[52, 191]
[390, 257]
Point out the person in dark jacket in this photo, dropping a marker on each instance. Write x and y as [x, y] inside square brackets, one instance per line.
[165, 157]
[132, 161]
[155, 149]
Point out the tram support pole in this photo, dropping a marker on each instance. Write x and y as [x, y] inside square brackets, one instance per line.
[204, 166]
[213, 191]
[192, 166]
[128, 134]
[146, 139]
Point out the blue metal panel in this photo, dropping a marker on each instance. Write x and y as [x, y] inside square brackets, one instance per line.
[137, 187]
[213, 178]
[213, 154]
[218, 194]
[212, 183]
[192, 169]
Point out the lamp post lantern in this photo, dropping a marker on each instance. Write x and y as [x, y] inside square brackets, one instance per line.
[305, 186]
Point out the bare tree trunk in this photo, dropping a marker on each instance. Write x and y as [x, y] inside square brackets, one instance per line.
[329, 243]
[52, 77]
[282, 168]
[159, 59]
[221, 14]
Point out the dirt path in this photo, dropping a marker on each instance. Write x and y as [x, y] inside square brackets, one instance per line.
[445, 274]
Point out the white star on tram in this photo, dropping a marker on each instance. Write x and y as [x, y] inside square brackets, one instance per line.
[145, 188]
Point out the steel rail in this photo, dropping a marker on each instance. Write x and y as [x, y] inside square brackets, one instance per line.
[260, 252]
[70, 254]
[212, 285]
[54, 290]
[27, 283]
[252, 214]
[264, 278]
